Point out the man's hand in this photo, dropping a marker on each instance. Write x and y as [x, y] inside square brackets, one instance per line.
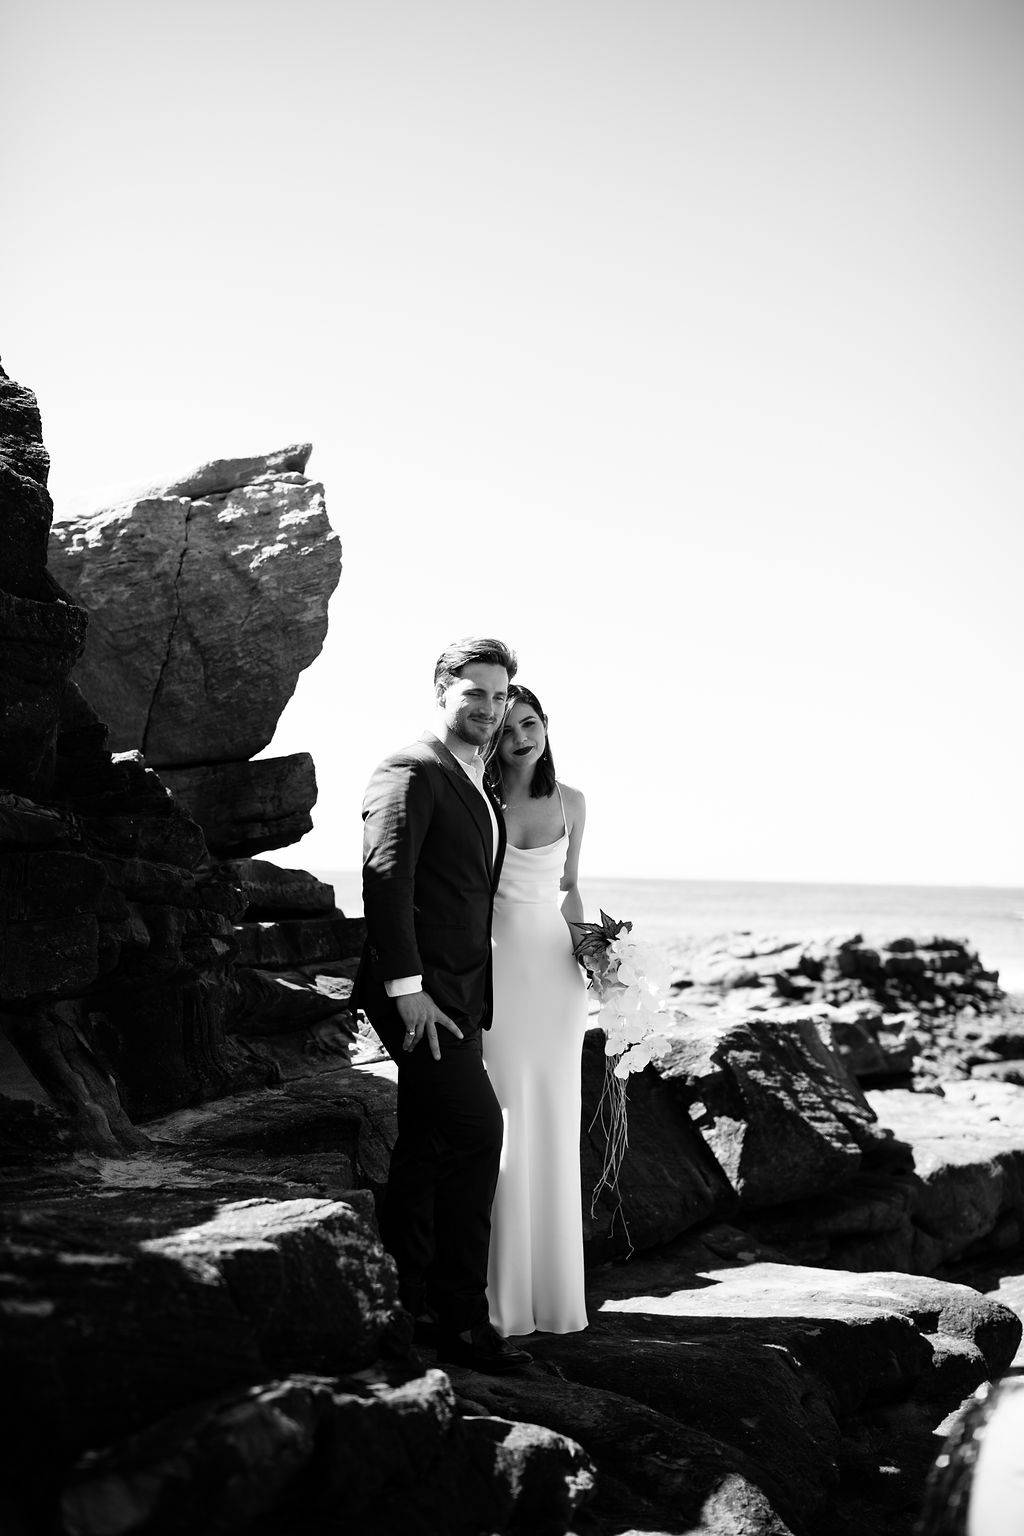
[421, 1016]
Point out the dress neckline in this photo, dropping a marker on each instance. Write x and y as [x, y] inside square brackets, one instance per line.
[540, 847]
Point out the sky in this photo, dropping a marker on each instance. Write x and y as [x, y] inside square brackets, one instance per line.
[679, 344]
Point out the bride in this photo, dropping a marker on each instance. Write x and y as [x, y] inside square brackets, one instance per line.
[532, 1052]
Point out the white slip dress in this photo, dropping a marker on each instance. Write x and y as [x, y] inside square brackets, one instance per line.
[532, 1053]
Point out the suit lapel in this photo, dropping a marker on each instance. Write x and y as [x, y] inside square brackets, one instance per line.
[502, 838]
[470, 797]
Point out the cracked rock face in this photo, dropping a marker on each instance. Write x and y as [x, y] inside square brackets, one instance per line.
[206, 598]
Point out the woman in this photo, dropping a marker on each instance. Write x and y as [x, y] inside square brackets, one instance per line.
[532, 1052]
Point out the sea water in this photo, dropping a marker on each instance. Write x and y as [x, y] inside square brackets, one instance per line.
[669, 912]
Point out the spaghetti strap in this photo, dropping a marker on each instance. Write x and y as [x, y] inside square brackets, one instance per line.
[565, 820]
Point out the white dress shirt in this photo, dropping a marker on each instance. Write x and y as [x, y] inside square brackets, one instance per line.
[402, 986]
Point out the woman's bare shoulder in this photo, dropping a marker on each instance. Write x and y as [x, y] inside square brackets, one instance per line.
[573, 798]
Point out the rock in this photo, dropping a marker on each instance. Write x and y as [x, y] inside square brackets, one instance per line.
[1001, 1071]
[747, 1395]
[907, 1006]
[323, 1134]
[773, 1103]
[669, 1181]
[57, 1051]
[375, 1458]
[125, 1306]
[281, 1002]
[23, 822]
[207, 597]
[42, 632]
[245, 808]
[968, 1145]
[40, 641]
[217, 1466]
[301, 941]
[24, 467]
[872, 1045]
[271, 892]
[654, 1474]
[719, 1396]
[860, 1333]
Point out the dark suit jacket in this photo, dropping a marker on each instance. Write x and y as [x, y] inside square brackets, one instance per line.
[428, 884]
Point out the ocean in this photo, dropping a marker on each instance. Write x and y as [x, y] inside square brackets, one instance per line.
[669, 912]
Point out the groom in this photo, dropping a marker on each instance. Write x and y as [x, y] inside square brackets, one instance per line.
[433, 842]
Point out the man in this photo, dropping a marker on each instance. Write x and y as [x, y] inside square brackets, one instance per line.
[432, 850]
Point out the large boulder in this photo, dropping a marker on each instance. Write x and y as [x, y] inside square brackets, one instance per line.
[968, 1145]
[669, 1181]
[207, 597]
[772, 1101]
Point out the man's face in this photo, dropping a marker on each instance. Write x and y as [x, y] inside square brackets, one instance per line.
[473, 703]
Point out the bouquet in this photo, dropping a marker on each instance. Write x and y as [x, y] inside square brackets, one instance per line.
[630, 980]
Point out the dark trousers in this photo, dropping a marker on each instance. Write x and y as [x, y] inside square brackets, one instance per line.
[436, 1220]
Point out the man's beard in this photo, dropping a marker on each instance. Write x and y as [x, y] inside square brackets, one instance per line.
[472, 741]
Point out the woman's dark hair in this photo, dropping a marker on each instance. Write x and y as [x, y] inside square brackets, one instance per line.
[462, 653]
[543, 782]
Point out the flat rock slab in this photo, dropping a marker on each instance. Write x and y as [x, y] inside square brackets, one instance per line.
[271, 891]
[120, 1305]
[245, 808]
[871, 1337]
[968, 1145]
[276, 946]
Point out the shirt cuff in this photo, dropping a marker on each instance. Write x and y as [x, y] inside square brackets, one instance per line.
[402, 986]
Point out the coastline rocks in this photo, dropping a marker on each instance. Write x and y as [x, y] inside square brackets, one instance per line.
[112, 920]
[196, 1337]
[245, 808]
[908, 1006]
[207, 597]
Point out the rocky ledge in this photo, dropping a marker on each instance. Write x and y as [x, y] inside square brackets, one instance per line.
[205, 1336]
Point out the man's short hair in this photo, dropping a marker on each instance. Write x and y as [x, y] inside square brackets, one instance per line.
[462, 653]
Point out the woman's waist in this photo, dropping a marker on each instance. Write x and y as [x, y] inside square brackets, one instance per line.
[542, 898]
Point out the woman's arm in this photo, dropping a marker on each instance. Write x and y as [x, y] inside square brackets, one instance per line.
[576, 817]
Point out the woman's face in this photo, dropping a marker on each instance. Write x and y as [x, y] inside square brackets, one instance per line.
[523, 737]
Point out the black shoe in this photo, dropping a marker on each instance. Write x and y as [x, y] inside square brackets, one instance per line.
[482, 1348]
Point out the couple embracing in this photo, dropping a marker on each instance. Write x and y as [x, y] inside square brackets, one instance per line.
[471, 850]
